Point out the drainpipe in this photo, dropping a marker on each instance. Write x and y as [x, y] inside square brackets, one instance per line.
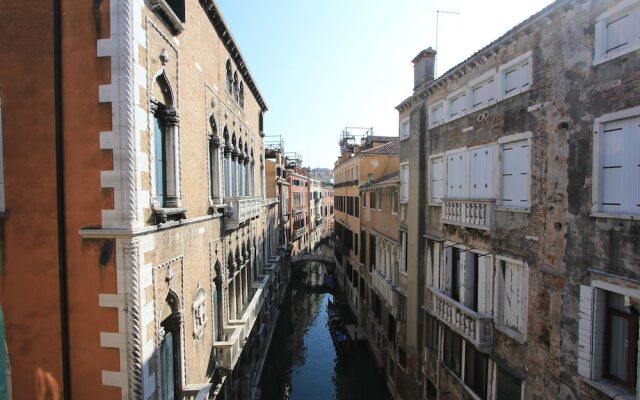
[62, 255]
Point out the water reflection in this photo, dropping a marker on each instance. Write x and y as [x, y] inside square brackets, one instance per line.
[302, 363]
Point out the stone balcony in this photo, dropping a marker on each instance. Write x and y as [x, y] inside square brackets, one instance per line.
[299, 232]
[238, 330]
[475, 327]
[384, 287]
[241, 209]
[470, 213]
[298, 210]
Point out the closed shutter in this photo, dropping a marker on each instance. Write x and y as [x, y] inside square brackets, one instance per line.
[515, 174]
[585, 327]
[621, 166]
[405, 183]
[481, 163]
[437, 114]
[483, 93]
[457, 106]
[456, 168]
[619, 33]
[437, 179]
[517, 78]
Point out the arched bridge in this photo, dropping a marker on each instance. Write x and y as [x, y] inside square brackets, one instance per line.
[313, 257]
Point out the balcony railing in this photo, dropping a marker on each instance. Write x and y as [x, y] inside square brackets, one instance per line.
[475, 327]
[298, 209]
[240, 329]
[241, 209]
[299, 232]
[384, 287]
[472, 213]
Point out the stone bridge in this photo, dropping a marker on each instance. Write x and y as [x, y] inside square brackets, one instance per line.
[313, 257]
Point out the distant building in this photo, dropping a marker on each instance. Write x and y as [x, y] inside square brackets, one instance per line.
[323, 174]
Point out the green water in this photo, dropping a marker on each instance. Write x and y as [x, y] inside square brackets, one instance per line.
[302, 363]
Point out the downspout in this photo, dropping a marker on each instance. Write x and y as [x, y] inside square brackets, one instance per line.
[62, 245]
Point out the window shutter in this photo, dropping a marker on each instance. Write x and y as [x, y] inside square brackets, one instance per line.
[481, 184]
[483, 93]
[619, 33]
[585, 326]
[469, 282]
[437, 179]
[621, 166]
[405, 183]
[436, 265]
[515, 174]
[484, 280]
[456, 168]
[447, 269]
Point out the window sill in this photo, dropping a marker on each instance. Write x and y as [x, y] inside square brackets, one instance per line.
[511, 333]
[601, 214]
[525, 210]
[604, 58]
[610, 389]
[434, 204]
[173, 214]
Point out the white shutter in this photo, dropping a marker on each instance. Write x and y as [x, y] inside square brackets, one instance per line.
[585, 327]
[481, 182]
[483, 281]
[448, 252]
[437, 114]
[457, 106]
[483, 93]
[619, 33]
[456, 168]
[517, 78]
[404, 182]
[634, 167]
[515, 174]
[436, 265]
[469, 282]
[437, 179]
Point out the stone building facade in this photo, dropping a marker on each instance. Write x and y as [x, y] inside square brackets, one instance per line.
[299, 205]
[161, 274]
[522, 226]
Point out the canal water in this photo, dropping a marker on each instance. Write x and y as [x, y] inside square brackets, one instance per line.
[302, 363]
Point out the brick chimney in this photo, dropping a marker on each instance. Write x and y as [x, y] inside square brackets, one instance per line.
[423, 66]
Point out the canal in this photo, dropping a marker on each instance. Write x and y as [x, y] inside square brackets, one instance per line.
[302, 363]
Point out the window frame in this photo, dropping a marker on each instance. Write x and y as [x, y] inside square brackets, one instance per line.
[431, 201]
[404, 200]
[600, 35]
[597, 161]
[432, 122]
[458, 94]
[406, 121]
[504, 69]
[481, 81]
[497, 178]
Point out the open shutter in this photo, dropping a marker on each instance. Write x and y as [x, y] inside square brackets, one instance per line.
[484, 289]
[448, 257]
[585, 326]
[468, 286]
[436, 265]
[437, 179]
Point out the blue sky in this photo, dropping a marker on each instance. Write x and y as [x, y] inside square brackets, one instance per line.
[325, 65]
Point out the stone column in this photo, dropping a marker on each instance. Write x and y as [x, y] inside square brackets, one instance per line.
[171, 120]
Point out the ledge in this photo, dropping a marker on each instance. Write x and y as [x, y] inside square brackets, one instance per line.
[610, 389]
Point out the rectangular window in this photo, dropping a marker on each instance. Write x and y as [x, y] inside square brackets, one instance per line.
[357, 206]
[437, 114]
[372, 252]
[379, 201]
[403, 243]
[364, 200]
[363, 247]
[516, 174]
[483, 94]
[355, 243]
[437, 180]
[513, 281]
[372, 199]
[456, 175]
[404, 129]
[620, 341]
[620, 166]
[394, 202]
[404, 183]
[475, 370]
[508, 387]
[458, 105]
[452, 352]
[481, 173]
[432, 333]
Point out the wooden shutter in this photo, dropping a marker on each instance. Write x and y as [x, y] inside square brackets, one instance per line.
[585, 328]
[468, 280]
[456, 174]
[437, 179]
[484, 282]
[448, 258]
[515, 174]
[405, 182]
[483, 93]
[621, 166]
[481, 171]
[619, 33]
[457, 105]
[436, 265]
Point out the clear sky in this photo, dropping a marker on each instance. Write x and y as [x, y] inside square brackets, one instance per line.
[324, 65]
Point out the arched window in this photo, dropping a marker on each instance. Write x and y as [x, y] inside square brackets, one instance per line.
[241, 95]
[217, 304]
[227, 163]
[214, 160]
[165, 145]
[236, 88]
[241, 174]
[169, 352]
[199, 310]
[229, 78]
[245, 169]
[234, 165]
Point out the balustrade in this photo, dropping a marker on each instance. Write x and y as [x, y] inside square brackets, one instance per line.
[472, 213]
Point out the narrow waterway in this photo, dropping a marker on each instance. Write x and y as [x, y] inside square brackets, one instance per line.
[302, 363]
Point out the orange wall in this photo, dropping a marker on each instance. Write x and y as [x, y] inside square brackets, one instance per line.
[29, 289]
